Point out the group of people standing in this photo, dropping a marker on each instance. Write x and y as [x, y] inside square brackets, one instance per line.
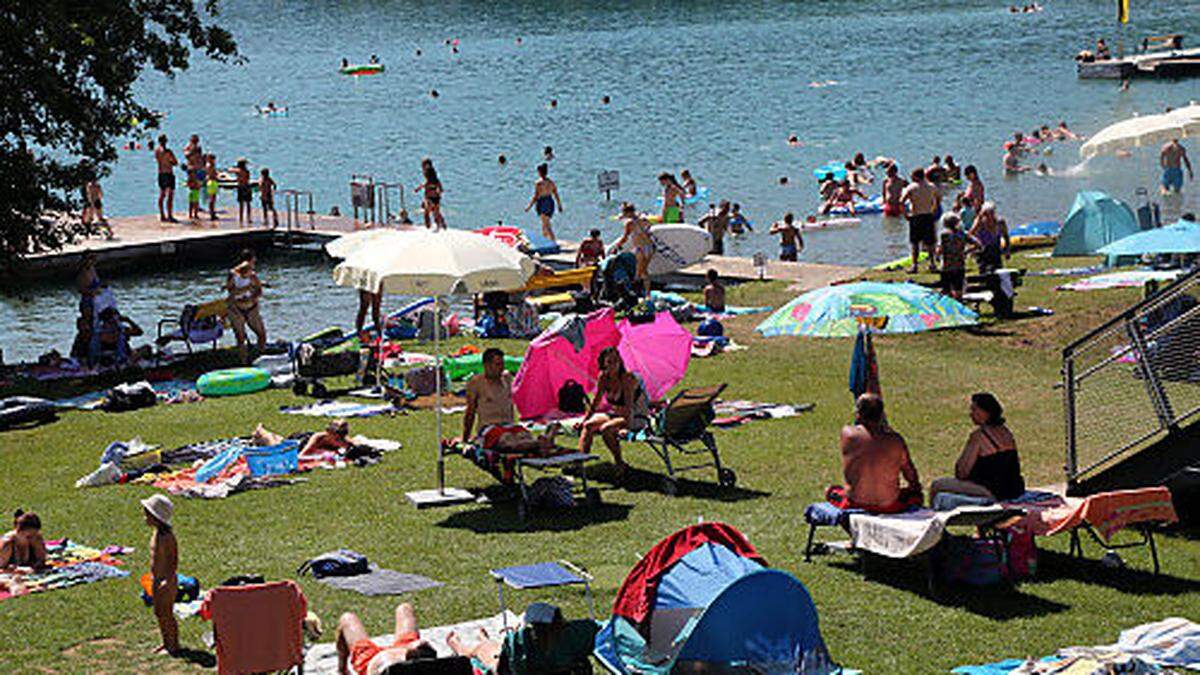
[204, 184]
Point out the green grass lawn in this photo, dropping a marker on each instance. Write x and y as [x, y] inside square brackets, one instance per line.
[883, 622]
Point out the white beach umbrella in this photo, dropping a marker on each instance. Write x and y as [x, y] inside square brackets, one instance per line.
[1141, 131]
[347, 244]
[437, 263]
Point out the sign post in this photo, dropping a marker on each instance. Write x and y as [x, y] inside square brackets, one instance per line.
[760, 265]
[608, 181]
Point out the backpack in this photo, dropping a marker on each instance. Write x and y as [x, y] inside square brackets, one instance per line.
[340, 563]
[572, 398]
[421, 381]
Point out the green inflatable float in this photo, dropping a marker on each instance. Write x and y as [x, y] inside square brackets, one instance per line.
[462, 367]
[233, 381]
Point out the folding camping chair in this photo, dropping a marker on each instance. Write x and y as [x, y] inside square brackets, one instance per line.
[543, 575]
[255, 645]
[196, 324]
[683, 422]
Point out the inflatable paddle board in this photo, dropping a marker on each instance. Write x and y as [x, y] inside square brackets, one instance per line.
[675, 246]
[901, 263]
[829, 224]
[1032, 235]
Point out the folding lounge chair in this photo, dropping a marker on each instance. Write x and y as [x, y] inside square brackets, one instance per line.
[246, 641]
[679, 426]
[197, 324]
[509, 469]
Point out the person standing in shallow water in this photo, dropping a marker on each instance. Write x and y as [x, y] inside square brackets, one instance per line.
[545, 196]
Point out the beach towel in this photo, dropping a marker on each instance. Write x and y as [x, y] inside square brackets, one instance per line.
[257, 627]
[69, 564]
[1110, 512]
[738, 412]
[903, 535]
[1170, 643]
[381, 581]
[339, 409]
[730, 310]
[1125, 279]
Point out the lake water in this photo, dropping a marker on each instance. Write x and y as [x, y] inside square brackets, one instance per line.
[714, 87]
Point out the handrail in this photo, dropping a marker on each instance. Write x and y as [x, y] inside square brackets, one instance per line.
[1125, 315]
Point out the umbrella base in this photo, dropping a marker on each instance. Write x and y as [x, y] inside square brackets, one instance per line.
[424, 499]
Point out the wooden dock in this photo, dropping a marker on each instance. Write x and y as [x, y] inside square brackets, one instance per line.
[144, 240]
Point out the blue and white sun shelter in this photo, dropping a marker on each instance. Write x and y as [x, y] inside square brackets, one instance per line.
[702, 597]
[543, 575]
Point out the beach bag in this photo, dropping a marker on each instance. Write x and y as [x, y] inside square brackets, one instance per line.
[421, 381]
[969, 561]
[1022, 554]
[710, 328]
[340, 563]
[572, 398]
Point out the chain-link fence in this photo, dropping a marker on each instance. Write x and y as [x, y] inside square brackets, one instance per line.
[1133, 379]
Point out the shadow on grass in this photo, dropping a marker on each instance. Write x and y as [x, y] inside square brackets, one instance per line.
[1136, 578]
[639, 480]
[1000, 603]
[498, 518]
[197, 657]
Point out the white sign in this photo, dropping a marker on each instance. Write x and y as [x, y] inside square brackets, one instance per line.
[609, 180]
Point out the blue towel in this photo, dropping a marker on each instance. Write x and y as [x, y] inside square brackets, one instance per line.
[823, 513]
[217, 464]
[860, 366]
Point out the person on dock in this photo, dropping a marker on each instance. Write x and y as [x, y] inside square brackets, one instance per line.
[921, 200]
[245, 193]
[431, 191]
[245, 290]
[193, 155]
[874, 458]
[545, 196]
[193, 186]
[716, 222]
[164, 569]
[672, 198]
[893, 190]
[637, 231]
[266, 196]
[1172, 158]
[164, 157]
[93, 205]
[591, 250]
[791, 243]
[211, 186]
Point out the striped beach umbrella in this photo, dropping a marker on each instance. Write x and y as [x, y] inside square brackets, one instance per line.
[838, 311]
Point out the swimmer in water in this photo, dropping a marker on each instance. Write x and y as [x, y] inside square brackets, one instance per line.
[502, 159]
[794, 141]
[553, 103]
[689, 183]
[345, 63]
[605, 99]
[433, 93]
[548, 153]
[737, 222]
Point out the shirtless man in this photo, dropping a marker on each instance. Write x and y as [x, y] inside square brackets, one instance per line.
[637, 230]
[489, 400]
[672, 198]
[193, 154]
[244, 192]
[791, 243]
[165, 158]
[714, 293]
[1012, 160]
[716, 222]
[843, 197]
[1170, 158]
[921, 200]
[545, 196]
[893, 189]
[874, 457]
[357, 651]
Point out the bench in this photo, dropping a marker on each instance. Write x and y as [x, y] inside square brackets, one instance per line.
[988, 289]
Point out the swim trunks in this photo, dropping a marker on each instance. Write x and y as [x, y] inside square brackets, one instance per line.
[545, 206]
[892, 210]
[921, 229]
[672, 214]
[1172, 178]
[365, 651]
[244, 194]
[166, 180]
[788, 252]
[490, 435]
[193, 196]
[212, 187]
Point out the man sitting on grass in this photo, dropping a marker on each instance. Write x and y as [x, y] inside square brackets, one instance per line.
[489, 398]
[873, 458]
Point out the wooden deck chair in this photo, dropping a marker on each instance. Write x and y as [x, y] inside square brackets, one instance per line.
[680, 426]
[197, 324]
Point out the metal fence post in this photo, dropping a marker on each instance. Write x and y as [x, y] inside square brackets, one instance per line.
[1069, 416]
[1154, 388]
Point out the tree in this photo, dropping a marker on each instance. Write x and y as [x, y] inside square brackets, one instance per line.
[66, 93]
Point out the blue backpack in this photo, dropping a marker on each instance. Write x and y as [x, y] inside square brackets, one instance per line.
[340, 563]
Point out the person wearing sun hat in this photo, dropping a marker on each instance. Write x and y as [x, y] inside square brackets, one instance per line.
[164, 568]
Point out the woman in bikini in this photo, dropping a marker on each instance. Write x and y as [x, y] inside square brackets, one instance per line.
[989, 466]
[432, 189]
[637, 229]
[625, 392]
[244, 290]
[545, 196]
[672, 199]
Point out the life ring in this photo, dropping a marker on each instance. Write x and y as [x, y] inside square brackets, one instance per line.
[233, 381]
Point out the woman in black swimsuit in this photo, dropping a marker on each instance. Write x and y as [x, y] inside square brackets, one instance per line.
[989, 466]
[432, 189]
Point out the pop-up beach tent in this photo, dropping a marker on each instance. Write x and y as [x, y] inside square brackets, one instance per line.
[657, 350]
[1095, 220]
[704, 598]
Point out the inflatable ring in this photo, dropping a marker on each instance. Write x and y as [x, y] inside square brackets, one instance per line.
[233, 381]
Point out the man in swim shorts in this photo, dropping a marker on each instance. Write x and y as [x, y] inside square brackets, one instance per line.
[893, 188]
[489, 401]
[874, 457]
[672, 198]
[166, 161]
[244, 192]
[790, 240]
[266, 194]
[716, 221]
[1172, 158]
[359, 654]
[545, 196]
[921, 199]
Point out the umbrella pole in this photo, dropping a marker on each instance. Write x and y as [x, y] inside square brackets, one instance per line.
[379, 359]
[437, 376]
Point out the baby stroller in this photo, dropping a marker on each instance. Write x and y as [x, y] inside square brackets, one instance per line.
[617, 284]
[328, 353]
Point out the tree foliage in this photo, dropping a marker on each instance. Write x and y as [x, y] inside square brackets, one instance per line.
[67, 70]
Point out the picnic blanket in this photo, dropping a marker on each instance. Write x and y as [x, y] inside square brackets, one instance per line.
[1068, 271]
[167, 391]
[381, 581]
[736, 413]
[903, 535]
[322, 658]
[70, 564]
[1125, 279]
[339, 409]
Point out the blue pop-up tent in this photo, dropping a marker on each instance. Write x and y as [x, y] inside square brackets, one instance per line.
[703, 597]
[1095, 220]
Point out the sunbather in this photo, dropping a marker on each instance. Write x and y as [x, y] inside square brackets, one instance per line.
[356, 649]
[335, 438]
[988, 466]
[874, 457]
[489, 401]
[23, 547]
[626, 394]
[547, 644]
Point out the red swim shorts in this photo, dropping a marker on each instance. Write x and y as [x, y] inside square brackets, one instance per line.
[363, 651]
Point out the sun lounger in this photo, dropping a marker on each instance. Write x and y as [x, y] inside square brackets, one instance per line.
[678, 427]
[509, 469]
[197, 324]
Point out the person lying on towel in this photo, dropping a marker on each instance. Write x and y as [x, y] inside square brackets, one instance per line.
[874, 457]
[334, 439]
[357, 651]
[489, 401]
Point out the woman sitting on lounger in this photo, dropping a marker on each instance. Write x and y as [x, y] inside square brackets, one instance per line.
[626, 394]
[989, 466]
